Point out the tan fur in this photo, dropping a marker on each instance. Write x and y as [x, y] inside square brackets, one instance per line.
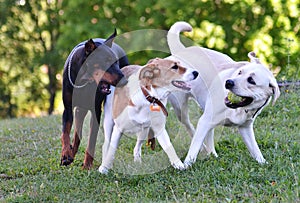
[129, 70]
[121, 97]
[164, 76]
[157, 72]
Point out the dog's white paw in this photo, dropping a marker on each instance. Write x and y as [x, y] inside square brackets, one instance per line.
[261, 160]
[178, 165]
[189, 162]
[103, 170]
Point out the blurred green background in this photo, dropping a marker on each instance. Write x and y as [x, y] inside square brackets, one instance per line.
[37, 35]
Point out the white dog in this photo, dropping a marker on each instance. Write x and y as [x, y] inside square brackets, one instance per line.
[140, 105]
[218, 75]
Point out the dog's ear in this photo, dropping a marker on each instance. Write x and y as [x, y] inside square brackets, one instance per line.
[276, 93]
[149, 72]
[253, 58]
[89, 47]
[152, 60]
[110, 39]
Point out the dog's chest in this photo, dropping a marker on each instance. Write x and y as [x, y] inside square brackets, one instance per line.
[236, 117]
[133, 120]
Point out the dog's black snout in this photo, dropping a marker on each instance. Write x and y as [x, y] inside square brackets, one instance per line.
[229, 84]
[195, 74]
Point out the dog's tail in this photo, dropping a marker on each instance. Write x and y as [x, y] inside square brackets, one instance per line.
[173, 38]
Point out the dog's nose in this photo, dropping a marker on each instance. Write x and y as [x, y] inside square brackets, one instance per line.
[195, 74]
[229, 84]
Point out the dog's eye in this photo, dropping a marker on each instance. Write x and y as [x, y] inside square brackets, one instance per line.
[251, 81]
[175, 67]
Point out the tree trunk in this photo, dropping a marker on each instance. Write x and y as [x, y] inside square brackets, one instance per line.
[52, 87]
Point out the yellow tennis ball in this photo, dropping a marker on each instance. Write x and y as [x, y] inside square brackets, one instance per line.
[233, 98]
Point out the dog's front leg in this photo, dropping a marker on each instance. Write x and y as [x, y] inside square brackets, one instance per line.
[66, 154]
[164, 141]
[249, 139]
[141, 137]
[203, 128]
[110, 155]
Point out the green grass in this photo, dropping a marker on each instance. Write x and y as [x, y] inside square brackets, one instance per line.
[30, 171]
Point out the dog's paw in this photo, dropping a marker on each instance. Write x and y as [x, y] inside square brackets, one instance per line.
[103, 170]
[88, 161]
[67, 156]
[188, 162]
[66, 160]
[178, 165]
[261, 160]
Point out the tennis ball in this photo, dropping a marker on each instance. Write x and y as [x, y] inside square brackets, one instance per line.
[233, 98]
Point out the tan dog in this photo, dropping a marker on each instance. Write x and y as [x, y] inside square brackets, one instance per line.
[140, 105]
[252, 86]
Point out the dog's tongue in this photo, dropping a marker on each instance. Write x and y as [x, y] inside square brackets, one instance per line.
[105, 88]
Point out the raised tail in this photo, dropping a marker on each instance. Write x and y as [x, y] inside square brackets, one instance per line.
[173, 38]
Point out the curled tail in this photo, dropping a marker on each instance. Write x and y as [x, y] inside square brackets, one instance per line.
[173, 38]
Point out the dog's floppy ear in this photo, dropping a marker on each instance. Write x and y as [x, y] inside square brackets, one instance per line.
[149, 72]
[89, 47]
[110, 39]
[276, 93]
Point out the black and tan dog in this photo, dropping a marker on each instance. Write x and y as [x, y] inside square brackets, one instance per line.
[89, 70]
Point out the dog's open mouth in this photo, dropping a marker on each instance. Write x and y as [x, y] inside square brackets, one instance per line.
[181, 84]
[104, 87]
[234, 101]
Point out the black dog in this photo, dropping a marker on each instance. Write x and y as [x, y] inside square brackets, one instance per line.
[89, 71]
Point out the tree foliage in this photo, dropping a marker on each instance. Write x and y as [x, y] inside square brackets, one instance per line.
[36, 37]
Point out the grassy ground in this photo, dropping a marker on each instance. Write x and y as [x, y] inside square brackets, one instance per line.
[30, 171]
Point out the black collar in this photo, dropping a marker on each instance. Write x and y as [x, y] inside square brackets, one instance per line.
[258, 108]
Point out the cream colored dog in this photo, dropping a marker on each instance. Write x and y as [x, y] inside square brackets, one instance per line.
[251, 85]
[140, 105]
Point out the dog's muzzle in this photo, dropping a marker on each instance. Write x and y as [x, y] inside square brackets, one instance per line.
[235, 101]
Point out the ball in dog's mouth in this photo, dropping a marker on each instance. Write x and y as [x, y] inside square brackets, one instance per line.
[181, 84]
[234, 101]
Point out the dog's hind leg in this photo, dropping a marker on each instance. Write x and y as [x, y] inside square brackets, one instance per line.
[151, 140]
[209, 144]
[249, 139]
[80, 114]
[179, 101]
